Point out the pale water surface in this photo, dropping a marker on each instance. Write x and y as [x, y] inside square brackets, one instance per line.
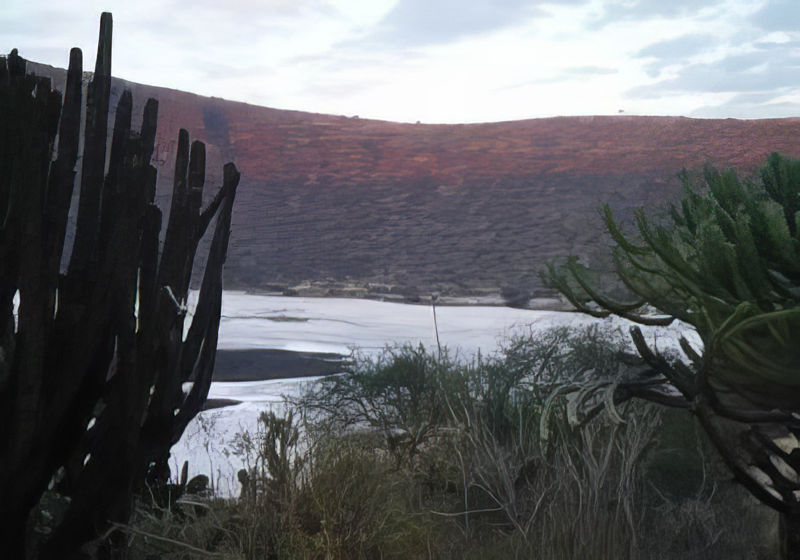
[340, 325]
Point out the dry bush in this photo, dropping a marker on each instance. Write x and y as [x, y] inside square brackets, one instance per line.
[355, 475]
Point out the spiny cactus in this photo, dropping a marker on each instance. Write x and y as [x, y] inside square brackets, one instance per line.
[93, 364]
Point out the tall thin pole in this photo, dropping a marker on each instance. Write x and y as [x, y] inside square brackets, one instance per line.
[434, 298]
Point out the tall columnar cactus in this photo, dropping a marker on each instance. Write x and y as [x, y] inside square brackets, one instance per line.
[93, 364]
[726, 261]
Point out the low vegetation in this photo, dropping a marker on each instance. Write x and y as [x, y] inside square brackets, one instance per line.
[419, 455]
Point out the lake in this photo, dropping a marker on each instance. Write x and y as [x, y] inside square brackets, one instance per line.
[339, 326]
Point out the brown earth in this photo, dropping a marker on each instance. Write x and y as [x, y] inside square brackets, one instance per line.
[337, 205]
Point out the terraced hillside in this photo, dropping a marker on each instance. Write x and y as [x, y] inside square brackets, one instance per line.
[342, 205]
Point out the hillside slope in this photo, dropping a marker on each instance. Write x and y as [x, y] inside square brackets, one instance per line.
[332, 204]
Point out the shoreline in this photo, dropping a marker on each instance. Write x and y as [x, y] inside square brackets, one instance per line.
[242, 366]
[442, 299]
[266, 337]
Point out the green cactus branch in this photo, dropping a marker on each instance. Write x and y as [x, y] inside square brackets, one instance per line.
[725, 260]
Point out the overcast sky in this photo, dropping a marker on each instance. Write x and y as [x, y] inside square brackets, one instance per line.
[442, 60]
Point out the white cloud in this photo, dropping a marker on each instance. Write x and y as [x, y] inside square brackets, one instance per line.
[440, 60]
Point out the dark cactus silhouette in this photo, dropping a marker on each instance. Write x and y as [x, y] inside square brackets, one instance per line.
[93, 363]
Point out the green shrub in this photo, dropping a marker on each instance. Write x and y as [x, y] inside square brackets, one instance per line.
[333, 478]
[402, 393]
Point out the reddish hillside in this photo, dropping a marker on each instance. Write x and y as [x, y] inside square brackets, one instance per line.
[333, 200]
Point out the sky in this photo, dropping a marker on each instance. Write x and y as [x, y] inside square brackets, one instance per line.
[442, 61]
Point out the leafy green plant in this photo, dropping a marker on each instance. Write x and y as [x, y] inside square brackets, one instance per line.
[726, 261]
[401, 393]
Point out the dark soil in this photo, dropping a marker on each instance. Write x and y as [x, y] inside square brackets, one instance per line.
[263, 365]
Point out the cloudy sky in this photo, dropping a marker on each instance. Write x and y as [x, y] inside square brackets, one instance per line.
[443, 60]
